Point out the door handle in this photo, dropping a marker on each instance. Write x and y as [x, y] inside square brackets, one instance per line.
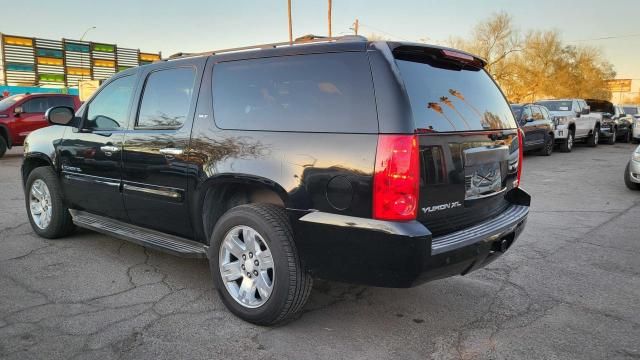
[108, 149]
[171, 151]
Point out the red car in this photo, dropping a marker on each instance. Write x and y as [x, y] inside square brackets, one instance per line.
[24, 113]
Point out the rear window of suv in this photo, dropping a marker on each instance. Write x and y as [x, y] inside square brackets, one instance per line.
[452, 97]
[311, 93]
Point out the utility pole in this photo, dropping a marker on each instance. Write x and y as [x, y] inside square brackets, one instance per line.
[355, 26]
[290, 28]
[329, 15]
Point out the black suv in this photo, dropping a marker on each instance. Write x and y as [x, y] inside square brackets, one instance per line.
[379, 163]
[615, 124]
[537, 125]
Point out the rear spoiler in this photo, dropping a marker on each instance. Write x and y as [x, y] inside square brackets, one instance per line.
[440, 51]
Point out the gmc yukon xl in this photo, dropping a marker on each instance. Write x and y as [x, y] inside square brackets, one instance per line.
[379, 163]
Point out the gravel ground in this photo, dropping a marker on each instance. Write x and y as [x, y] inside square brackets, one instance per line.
[568, 289]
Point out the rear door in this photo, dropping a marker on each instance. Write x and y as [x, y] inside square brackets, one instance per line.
[156, 147]
[468, 139]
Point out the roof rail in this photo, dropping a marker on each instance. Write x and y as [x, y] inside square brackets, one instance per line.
[307, 39]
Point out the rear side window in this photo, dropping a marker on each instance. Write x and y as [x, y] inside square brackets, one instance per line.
[453, 98]
[61, 101]
[166, 98]
[312, 93]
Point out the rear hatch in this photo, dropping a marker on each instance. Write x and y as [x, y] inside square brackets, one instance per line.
[468, 138]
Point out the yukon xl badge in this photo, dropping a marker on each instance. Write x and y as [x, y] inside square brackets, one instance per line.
[441, 207]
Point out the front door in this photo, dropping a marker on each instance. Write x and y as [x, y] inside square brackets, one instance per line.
[91, 156]
[31, 118]
[155, 150]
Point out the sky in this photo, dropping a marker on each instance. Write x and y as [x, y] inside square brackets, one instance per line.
[199, 25]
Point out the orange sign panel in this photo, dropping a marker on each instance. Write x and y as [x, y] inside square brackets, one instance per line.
[619, 85]
[17, 40]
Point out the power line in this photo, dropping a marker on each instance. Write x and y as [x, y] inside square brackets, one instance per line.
[606, 38]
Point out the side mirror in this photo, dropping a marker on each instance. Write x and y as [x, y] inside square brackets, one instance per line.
[586, 110]
[18, 110]
[530, 119]
[59, 115]
[607, 115]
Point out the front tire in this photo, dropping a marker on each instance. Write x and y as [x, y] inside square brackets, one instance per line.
[627, 180]
[48, 215]
[567, 145]
[255, 264]
[627, 136]
[547, 149]
[3, 146]
[612, 139]
[592, 141]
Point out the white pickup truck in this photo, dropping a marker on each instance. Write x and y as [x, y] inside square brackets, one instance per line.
[574, 122]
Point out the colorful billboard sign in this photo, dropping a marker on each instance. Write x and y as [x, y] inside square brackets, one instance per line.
[27, 61]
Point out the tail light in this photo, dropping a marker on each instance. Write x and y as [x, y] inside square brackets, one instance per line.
[396, 178]
[520, 155]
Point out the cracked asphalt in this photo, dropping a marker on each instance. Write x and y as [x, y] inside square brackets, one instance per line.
[568, 289]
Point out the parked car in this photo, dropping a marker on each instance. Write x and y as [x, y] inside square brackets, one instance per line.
[377, 163]
[632, 171]
[574, 122]
[537, 125]
[614, 123]
[24, 113]
[635, 111]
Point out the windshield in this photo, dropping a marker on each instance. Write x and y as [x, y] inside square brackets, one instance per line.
[631, 110]
[453, 97]
[8, 102]
[601, 106]
[517, 110]
[557, 105]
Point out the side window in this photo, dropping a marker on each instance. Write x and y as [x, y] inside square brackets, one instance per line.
[166, 98]
[60, 101]
[314, 93]
[537, 114]
[526, 113]
[37, 105]
[109, 109]
[576, 106]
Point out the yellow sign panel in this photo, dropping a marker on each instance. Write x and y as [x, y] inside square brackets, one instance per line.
[619, 85]
[78, 71]
[104, 63]
[16, 40]
[149, 57]
[86, 88]
[50, 61]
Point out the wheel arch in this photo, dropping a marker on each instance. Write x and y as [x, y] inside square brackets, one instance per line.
[217, 195]
[4, 132]
[32, 161]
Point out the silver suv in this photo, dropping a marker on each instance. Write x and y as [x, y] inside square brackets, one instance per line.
[574, 122]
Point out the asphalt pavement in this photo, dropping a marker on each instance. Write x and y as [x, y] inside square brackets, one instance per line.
[569, 288]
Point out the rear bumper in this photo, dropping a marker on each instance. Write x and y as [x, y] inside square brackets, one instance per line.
[393, 254]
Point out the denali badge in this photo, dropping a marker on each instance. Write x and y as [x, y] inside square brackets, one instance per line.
[440, 207]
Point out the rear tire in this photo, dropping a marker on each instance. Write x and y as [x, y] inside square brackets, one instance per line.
[3, 146]
[592, 141]
[290, 283]
[567, 145]
[627, 180]
[46, 198]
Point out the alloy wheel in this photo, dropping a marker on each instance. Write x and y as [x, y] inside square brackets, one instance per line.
[246, 266]
[570, 141]
[40, 205]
